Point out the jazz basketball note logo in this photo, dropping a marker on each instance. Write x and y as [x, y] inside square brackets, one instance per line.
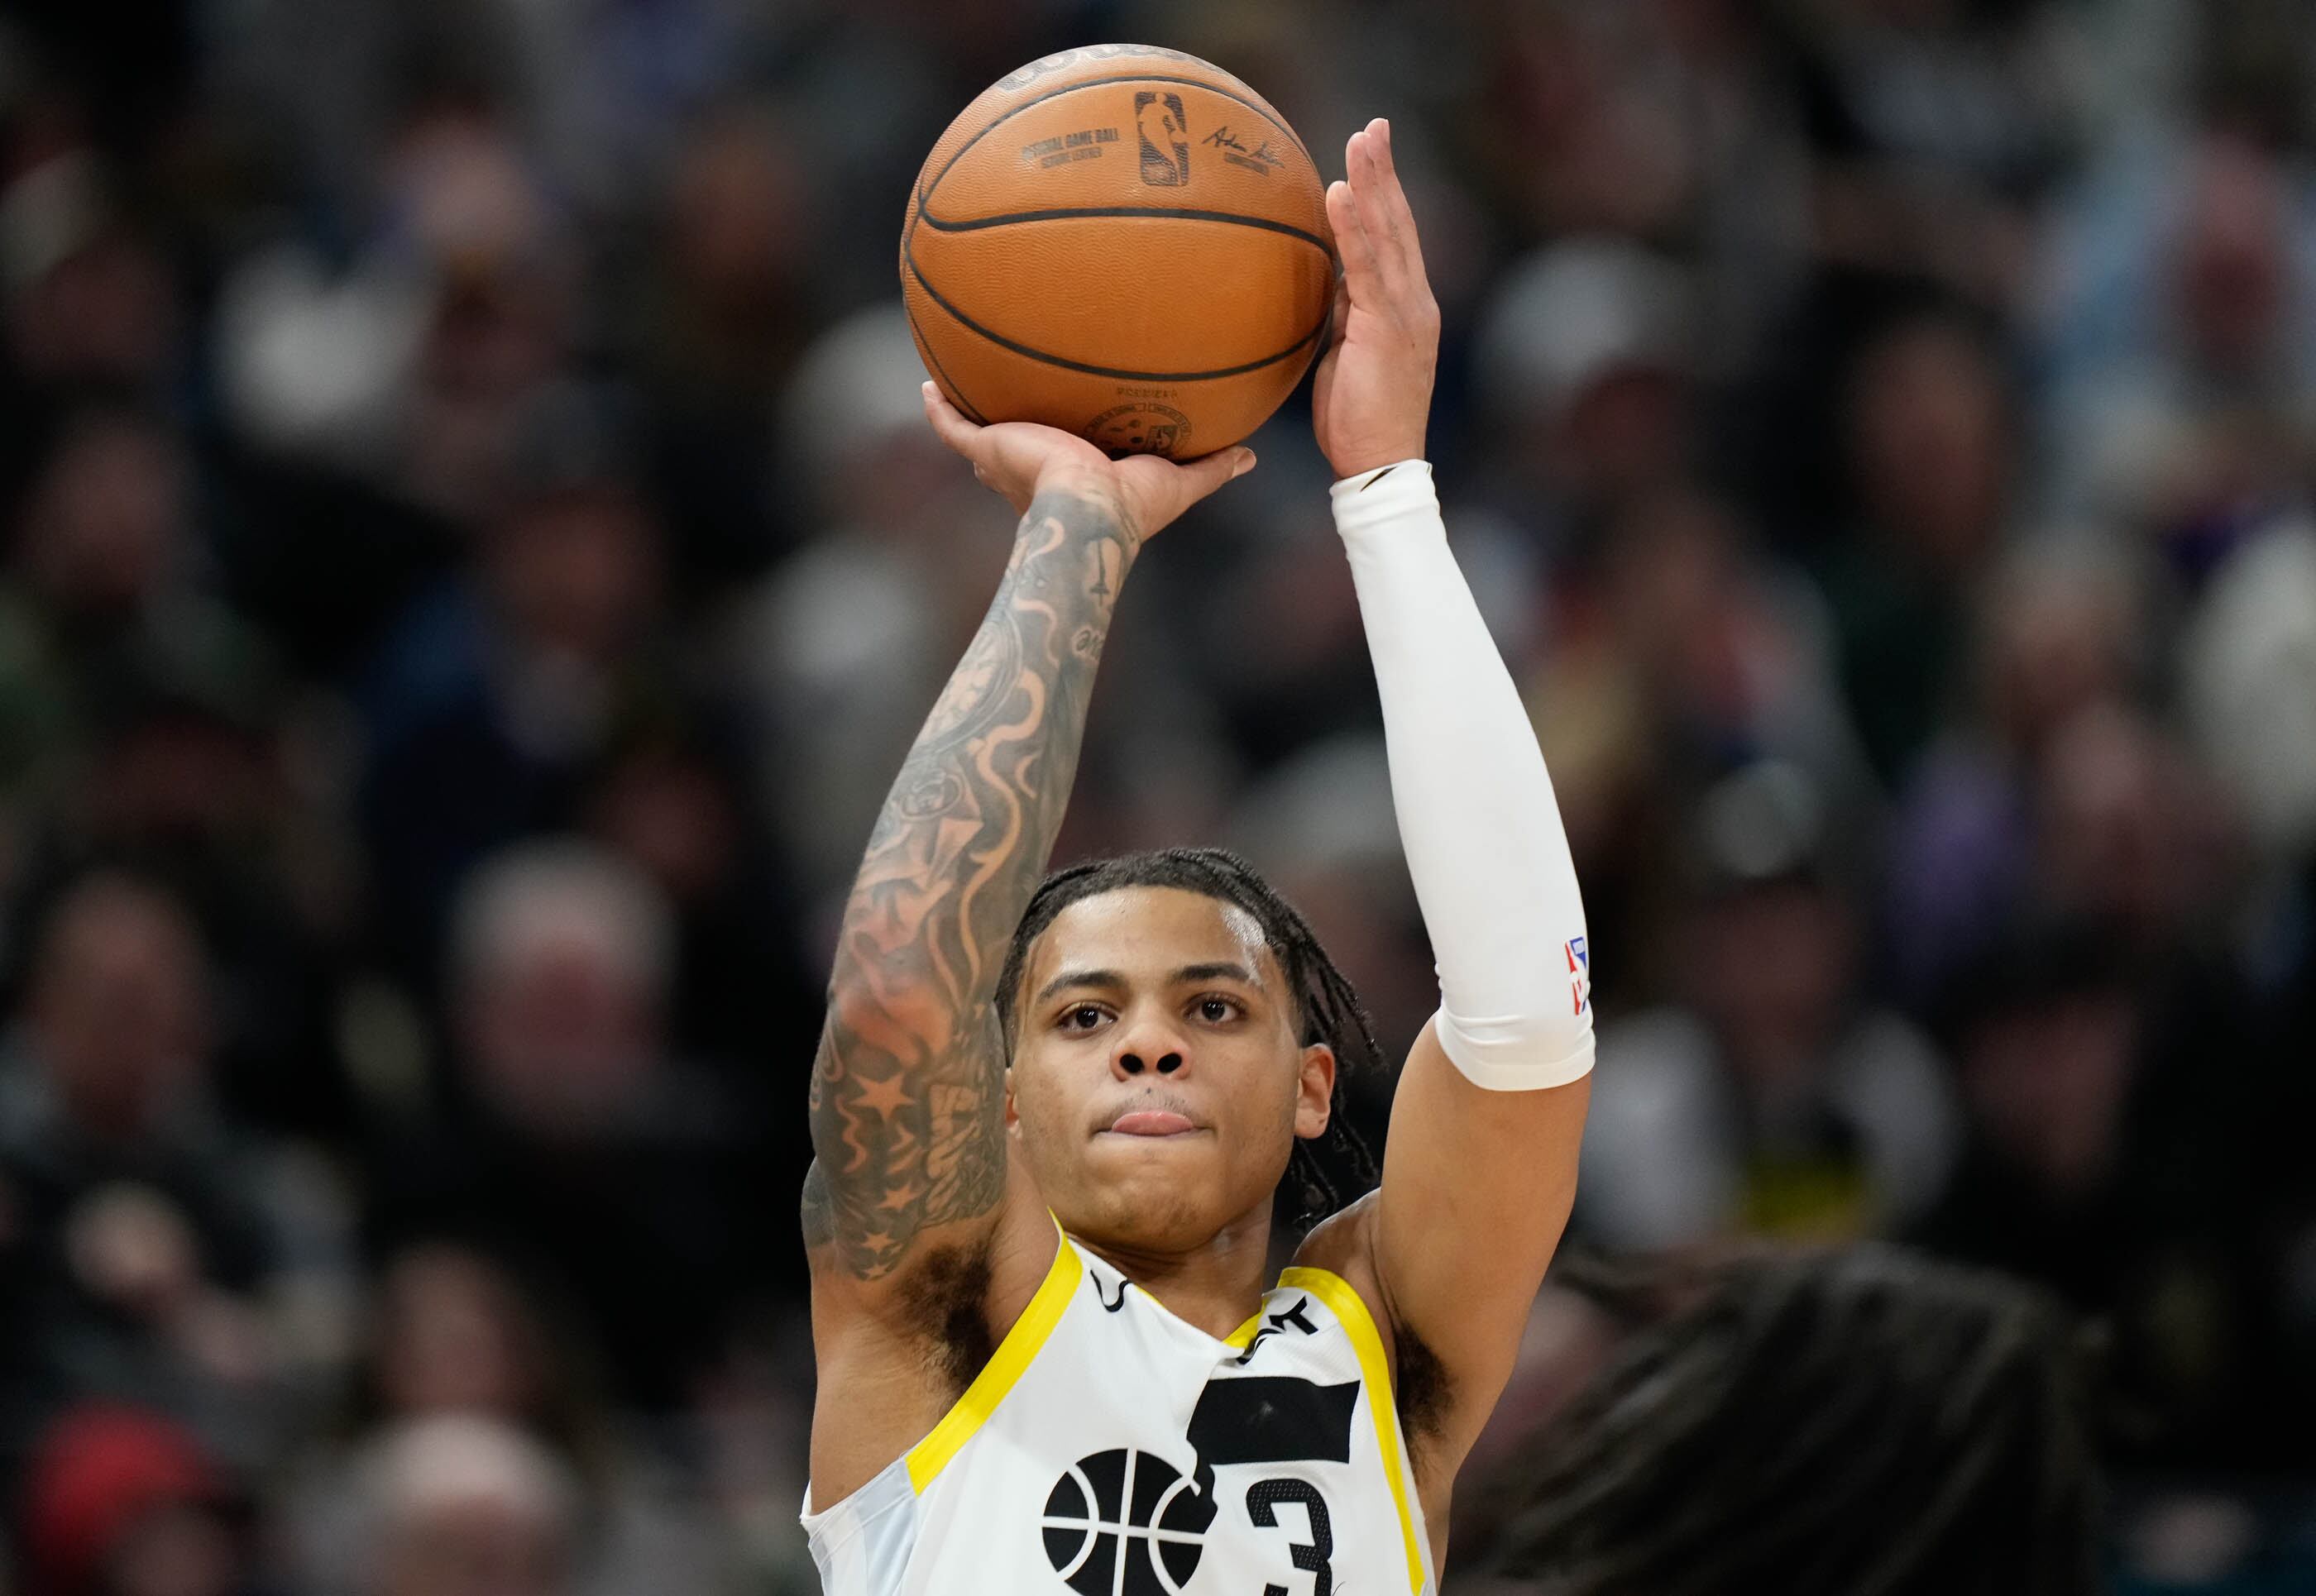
[1126, 1505]
[1165, 138]
[1579, 975]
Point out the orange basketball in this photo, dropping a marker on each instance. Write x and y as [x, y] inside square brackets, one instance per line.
[1123, 242]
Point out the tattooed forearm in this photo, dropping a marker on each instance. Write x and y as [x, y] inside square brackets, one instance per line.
[907, 1089]
[818, 1209]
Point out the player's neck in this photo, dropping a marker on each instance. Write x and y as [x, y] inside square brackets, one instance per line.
[1214, 1287]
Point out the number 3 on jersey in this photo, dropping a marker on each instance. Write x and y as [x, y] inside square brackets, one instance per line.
[1262, 1500]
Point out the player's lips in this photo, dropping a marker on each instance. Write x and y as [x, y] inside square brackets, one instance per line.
[1149, 1121]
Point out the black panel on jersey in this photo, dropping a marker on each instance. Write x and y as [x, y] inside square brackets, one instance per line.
[1264, 1419]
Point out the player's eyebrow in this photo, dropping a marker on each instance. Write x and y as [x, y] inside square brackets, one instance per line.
[1107, 980]
[1110, 980]
[1221, 971]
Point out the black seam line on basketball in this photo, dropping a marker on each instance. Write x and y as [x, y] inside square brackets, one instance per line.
[925, 192]
[1077, 212]
[999, 339]
[964, 406]
[925, 345]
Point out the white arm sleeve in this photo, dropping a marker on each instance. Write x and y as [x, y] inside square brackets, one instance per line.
[1477, 815]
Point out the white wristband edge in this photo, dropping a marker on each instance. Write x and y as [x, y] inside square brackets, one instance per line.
[1519, 1074]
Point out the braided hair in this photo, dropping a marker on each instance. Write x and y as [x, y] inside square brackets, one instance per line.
[1325, 1171]
[1820, 1424]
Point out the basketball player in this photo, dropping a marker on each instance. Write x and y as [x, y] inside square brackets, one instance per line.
[1052, 1120]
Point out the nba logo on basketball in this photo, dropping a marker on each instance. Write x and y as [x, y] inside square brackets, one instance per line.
[1165, 138]
[1579, 974]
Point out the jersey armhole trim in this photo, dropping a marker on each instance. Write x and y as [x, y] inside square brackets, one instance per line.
[1342, 1299]
[1022, 1343]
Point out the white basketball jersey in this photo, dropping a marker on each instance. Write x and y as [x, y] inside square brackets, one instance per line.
[1110, 1449]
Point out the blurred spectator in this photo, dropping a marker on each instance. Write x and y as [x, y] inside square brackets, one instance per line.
[1585, 360]
[576, 1144]
[2105, 1157]
[723, 324]
[95, 545]
[149, 1237]
[386, 399]
[2060, 634]
[2129, 834]
[499, 690]
[466, 1507]
[121, 1501]
[99, 564]
[1276, 643]
[1934, 123]
[417, 368]
[1694, 658]
[457, 1338]
[2182, 347]
[85, 296]
[1931, 455]
[143, 722]
[1583, 126]
[674, 798]
[2250, 662]
[1775, 1101]
[456, 1335]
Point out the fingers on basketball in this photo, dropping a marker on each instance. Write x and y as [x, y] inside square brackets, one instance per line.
[948, 426]
[1376, 203]
[1210, 472]
[1180, 484]
[1362, 274]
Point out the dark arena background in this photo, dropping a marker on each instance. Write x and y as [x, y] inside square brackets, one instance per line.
[474, 557]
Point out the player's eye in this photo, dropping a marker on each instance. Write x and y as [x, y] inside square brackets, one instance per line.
[1085, 1017]
[1215, 1010]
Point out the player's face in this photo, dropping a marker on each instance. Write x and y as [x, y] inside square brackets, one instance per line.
[1158, 1083]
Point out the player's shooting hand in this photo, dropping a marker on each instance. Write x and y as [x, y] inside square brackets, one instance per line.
[1373, 391]
[1021, 460]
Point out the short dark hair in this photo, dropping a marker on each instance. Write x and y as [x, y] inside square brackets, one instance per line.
[1325, 1172]
[1819, 1425]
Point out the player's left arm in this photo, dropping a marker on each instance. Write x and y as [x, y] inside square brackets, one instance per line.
[1480, 1168]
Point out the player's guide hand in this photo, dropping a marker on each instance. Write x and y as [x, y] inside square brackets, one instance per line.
[1373, 391]
[1021, 460]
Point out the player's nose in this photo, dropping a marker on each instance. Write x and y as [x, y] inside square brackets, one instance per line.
[1148, 1045]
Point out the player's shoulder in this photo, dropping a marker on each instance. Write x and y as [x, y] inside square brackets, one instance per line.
[1344, 1246]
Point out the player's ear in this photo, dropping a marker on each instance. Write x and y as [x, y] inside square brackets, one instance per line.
[1012, 1115]
[1314, 1091]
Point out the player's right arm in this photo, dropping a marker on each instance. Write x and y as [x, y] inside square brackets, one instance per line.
[907, 1101]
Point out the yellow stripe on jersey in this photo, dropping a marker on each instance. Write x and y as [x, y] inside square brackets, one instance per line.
[1375, 1370]
[1243, 1335]
[1006, 1365]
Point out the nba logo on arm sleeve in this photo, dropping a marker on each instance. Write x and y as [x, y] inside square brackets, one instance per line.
[1579, 975]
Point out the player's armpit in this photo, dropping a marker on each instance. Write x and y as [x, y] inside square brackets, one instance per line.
[1477, 1189]
[907, 1098]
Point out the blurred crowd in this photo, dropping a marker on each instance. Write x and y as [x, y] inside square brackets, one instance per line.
[473, 559]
